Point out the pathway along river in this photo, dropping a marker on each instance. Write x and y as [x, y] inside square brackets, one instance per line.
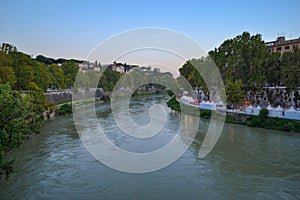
[246, 163]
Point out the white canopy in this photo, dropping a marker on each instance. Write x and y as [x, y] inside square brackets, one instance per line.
[270, 107]
[279, 108]
[292, 109]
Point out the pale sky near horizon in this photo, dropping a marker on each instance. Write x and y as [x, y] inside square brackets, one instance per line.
[71, 29]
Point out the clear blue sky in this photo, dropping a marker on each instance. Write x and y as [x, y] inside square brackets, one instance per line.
[70, 29]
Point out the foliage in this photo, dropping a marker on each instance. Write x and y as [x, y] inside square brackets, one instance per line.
[173, 104]
[82, 81]
[263, 113]
[170, 93]
[234, 93]
[191, 72]
[206, 114]
[263, 121]
[242, 58]
[20, 116]
[64, 109]
[57, 78]
[290, 70]
[13, 126]
[70, 70]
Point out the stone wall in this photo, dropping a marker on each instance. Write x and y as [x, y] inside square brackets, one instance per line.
[58, 97]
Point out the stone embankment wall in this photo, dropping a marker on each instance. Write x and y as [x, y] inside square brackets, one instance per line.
[58, 97]
[63, 96]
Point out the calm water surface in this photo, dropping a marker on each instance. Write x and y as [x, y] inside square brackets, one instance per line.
[246, 163]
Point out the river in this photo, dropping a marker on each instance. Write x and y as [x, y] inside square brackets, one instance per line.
[246, 163]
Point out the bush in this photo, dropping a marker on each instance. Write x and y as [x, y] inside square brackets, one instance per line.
[263, 113]
[206, 114]
[173, 104]
[290, 126]
[64, 109]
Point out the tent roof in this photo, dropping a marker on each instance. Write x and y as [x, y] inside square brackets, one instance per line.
[279, 108]
[292, 109]
[270, 107]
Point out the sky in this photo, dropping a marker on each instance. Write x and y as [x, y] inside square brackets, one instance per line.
[71, 29]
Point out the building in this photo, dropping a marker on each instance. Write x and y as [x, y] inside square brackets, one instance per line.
[86, 65]
[282, 45]
[156, 70]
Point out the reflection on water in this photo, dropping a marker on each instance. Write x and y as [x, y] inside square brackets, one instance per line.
[246, 163]
[231, 135]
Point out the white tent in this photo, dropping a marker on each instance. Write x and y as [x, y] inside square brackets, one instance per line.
[278, 112]
[205, 105]
[257, 110]
[186, 99]
[279, 108]
[250, 109]
[292, 113]
[271, 110]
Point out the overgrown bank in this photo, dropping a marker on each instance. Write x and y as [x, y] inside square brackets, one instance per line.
[261, 121]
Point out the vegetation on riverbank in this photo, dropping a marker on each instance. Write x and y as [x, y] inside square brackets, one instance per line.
[245, 64]
[261, 121]
[174, 105]
[21, 115]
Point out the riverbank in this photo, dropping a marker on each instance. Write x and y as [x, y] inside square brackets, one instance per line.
[66, 106]
[261, 121]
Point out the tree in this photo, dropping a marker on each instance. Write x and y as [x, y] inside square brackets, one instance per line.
[272, 71]
[109, 79]
[70, 70]
[243, 57]
[57, 76]
[8, 48]
[13, 126]
[42, 76]
[20, 116]
[234, 93]
[43, 59]
[93, 78]
[22, 65]
[290, 71]
[82, 81]
[7, 75]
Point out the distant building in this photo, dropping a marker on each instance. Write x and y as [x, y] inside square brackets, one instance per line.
[83, 66]
[282, 45]
[156, 70]
[86, 65]
[120, 67]
[146, 69]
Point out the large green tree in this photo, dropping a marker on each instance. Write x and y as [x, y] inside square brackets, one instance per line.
[243, 57]
[290, 70]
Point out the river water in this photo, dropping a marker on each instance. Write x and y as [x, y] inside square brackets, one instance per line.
[246, 163]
